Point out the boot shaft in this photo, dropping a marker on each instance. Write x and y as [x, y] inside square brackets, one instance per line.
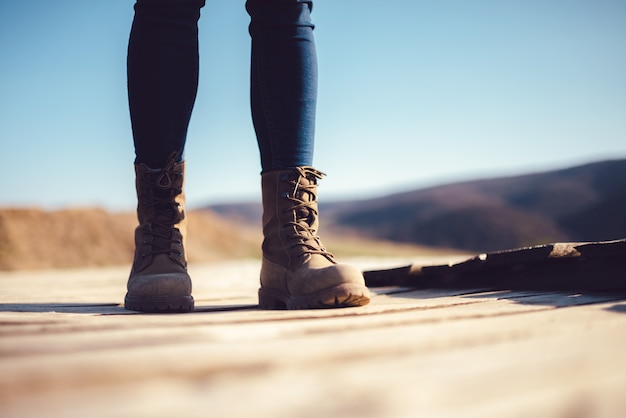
[160, 194]
[291, 218]
[161, 234]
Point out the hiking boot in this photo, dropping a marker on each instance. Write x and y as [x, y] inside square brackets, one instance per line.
[158, 280]
[297, 271]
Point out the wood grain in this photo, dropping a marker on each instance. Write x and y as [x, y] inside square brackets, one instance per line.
[69, 349]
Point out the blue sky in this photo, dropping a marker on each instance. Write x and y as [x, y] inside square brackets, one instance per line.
[412, 93]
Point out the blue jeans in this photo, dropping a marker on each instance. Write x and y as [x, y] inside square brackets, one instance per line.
[163, 79]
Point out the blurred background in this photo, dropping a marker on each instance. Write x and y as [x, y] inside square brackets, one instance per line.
[412, 96]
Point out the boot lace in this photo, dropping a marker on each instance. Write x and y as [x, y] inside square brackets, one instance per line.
[304, 207]
[160, 200]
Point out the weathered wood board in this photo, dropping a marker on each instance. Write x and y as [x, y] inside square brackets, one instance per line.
[566, 266]
[68, 349]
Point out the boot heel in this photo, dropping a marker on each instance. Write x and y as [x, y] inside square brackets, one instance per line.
[271, 299]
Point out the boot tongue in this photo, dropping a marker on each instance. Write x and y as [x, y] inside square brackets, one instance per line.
[305, 213]
[166, 210]
[166, 213]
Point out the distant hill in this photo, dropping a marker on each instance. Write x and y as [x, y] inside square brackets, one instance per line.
[583, 203]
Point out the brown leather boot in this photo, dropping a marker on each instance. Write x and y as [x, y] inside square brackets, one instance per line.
[158, 280]
[297, 271]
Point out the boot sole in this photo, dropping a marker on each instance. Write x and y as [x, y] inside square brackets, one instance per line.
[341, 296]
[159, 304]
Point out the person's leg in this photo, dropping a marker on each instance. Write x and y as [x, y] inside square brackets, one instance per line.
[162, 76]
[283, 81]
[162, 84]
[297, 271]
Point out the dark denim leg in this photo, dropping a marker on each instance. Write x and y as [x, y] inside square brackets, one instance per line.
[162, 76]
[283, 81]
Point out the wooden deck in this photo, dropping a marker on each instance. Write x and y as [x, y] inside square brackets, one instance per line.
[68, 349]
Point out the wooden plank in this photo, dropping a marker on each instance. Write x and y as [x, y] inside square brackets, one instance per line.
[436, 353]
[597, 266]
[461, 359]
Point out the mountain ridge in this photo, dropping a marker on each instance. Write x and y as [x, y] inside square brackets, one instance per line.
[580, 203]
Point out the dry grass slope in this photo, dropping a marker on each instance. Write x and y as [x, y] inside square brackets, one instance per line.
[34, 239]
[38, 239]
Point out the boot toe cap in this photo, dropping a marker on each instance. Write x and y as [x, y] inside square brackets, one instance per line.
[163, 284]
